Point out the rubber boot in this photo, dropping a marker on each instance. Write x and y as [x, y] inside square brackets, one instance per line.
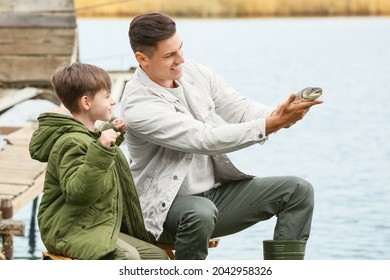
[284, 249]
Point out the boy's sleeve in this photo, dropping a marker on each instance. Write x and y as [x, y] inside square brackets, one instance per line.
[121, 137]
[83, 170]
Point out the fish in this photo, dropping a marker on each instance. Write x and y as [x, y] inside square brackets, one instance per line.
[308, 94]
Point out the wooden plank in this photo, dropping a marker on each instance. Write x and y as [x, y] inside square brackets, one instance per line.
[21, 69]
[25, 164]
[17, 97]
[6, 196]
[22, 136]
[26, 171]
[119, 82]
[8, 228]
[12, 227]
[4, 130]
[16, 174]
[17, 180]
[15, 20]
[25, 168]
[18, 167]
[17, 162]
[7, 91]
[30, 194]
[33, 41]
[36, 5]
[19, 153]
[11, 189]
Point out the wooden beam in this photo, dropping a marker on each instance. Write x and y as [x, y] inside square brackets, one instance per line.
[13, 20]
[11, 189]
[22, 136]
[37, 41]
[119, 82]
[8, 226]
[19, 96]
[4, 130]
[36, 6]
[24, 69]
[30, 194]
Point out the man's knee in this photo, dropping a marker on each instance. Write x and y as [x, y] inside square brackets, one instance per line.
[306, 187]
[201, 217]
[305, 191]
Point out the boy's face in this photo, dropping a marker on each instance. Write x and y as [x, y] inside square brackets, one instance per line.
[101, 106]
[165, 65]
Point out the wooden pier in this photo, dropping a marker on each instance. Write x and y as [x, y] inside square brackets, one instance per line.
[36, 37]
[21, 181]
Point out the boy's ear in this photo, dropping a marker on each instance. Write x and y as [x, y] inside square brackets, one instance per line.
[141, 58]
[84, 103]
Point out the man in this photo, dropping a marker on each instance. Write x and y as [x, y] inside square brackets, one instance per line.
[182, 119]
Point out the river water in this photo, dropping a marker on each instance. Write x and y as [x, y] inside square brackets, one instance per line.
[342, 146]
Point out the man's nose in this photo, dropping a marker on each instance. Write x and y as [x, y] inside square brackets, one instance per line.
[180, 58]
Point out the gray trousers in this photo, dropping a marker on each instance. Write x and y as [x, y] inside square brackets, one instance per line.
[131, 248]
[235, 206]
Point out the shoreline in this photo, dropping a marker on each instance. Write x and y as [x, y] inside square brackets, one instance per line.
[233, 8]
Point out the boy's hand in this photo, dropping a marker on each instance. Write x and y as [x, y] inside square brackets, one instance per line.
[108, 137]
[120, 125]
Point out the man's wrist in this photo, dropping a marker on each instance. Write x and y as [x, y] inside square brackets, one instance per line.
[272, 124]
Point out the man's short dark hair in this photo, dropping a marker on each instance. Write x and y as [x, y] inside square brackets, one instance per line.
[147, 30]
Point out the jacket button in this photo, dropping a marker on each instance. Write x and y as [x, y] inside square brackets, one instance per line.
[261, 136]
[163, 204]
[175, 177]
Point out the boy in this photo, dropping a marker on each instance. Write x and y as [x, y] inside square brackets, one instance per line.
[89, 208]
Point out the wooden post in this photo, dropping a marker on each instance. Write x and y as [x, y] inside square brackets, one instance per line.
[9, 228]
[2, 257]
[6, 208]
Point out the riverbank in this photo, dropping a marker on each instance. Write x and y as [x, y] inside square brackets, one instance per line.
[233, 8]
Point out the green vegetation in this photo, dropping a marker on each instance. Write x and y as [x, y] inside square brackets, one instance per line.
[233, 8]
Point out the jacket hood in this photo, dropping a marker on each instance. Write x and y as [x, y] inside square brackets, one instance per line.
[51, 127]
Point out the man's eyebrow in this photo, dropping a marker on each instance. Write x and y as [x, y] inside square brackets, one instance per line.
[170, 53]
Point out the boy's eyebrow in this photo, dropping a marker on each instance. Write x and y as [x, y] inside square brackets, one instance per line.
[170, 53]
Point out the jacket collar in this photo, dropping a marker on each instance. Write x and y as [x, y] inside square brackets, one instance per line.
[161, 91]
[187, 84]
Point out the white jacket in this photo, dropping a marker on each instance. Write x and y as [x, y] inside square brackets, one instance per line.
[163, 135]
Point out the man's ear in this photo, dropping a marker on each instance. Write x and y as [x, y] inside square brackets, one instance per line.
[141, 58]
[84, 103]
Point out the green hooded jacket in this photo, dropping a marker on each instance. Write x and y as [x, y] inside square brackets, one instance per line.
[89, 194]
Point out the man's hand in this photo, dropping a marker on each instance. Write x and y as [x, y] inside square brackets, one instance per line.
[287, 114]
[108, 137]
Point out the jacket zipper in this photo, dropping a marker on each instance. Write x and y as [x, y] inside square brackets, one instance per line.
[117, 205]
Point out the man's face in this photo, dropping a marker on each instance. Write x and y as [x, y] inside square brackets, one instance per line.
[165, 65]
